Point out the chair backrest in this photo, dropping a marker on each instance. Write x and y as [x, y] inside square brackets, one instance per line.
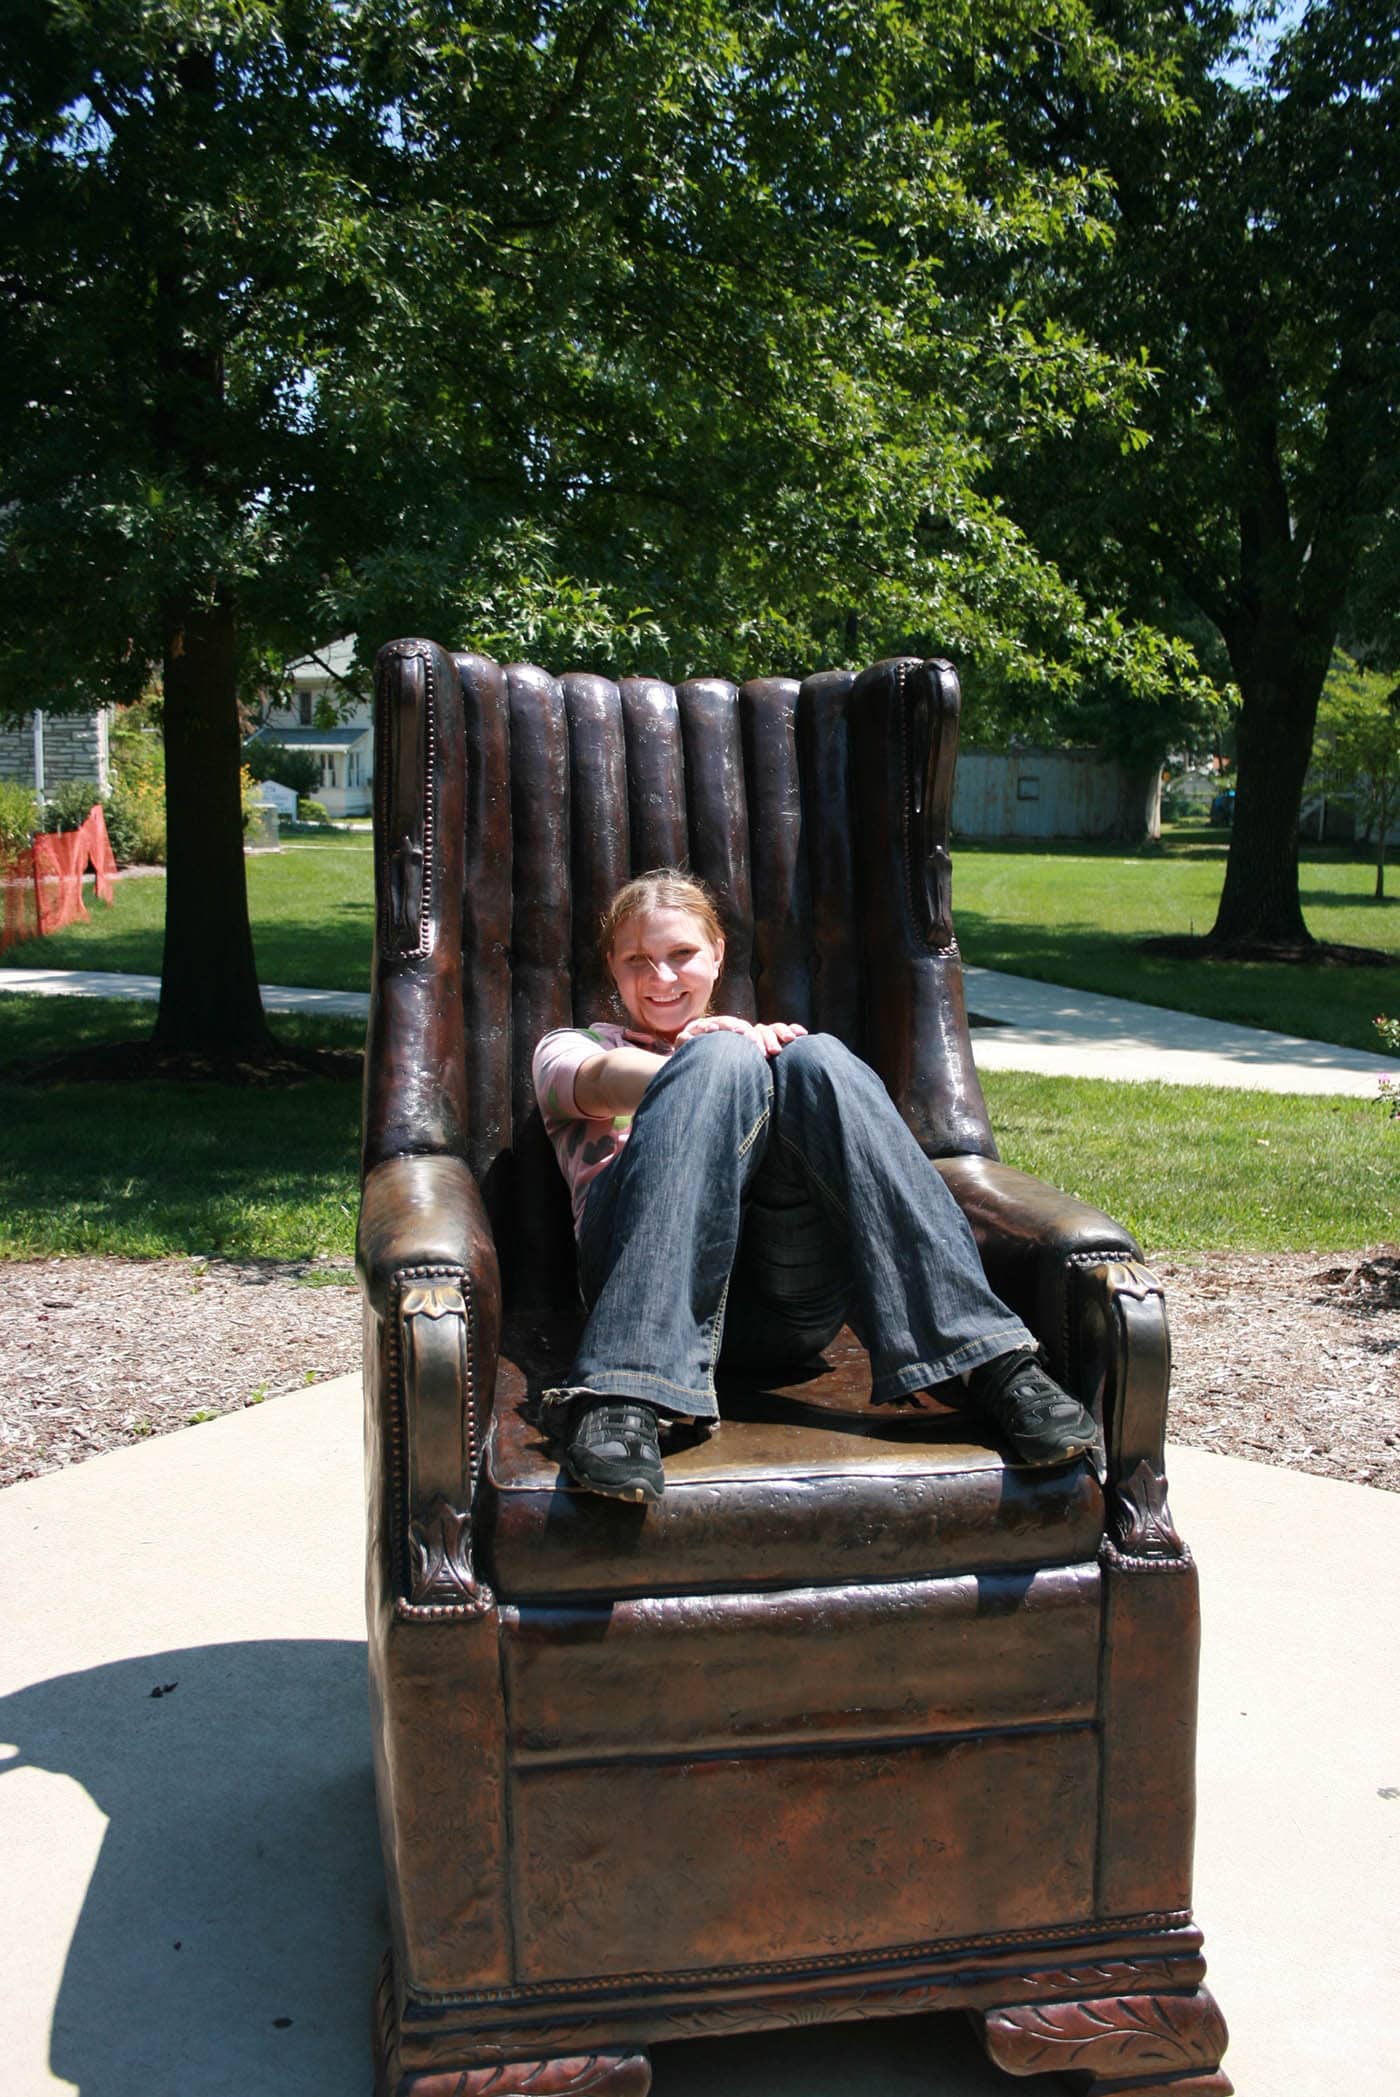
[817, 812]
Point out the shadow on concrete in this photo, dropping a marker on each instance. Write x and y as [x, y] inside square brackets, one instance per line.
[232, 1926]
[231, 1930]
[920, 2056]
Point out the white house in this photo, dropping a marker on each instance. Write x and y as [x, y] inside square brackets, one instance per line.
[345, 752]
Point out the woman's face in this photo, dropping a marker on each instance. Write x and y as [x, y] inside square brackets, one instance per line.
[665, 967]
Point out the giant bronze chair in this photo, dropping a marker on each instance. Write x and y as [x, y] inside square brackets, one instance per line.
[862, 1718]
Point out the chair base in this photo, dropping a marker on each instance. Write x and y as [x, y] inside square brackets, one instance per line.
[608, 2073]
[1115, 2013]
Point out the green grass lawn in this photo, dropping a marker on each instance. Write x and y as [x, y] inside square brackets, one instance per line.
[1073, 914]
[1192, 1168]
[146, 1169]
[149, 1169]
[311, 903]
[1068, 914]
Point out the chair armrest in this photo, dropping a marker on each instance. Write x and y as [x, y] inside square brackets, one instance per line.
[1019, 1221]
[428, 1266]
[1078, 1280]
[423, 1216]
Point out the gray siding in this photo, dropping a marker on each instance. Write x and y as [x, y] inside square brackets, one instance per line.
[75, 747]
[1041, 793]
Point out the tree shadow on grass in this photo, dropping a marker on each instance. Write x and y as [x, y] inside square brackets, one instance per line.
[232, 1926]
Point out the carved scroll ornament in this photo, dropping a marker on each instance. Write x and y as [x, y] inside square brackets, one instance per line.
[1130, 2035]
[1140, 1518]
[406, 790]
[931, 741]
[443, 1443]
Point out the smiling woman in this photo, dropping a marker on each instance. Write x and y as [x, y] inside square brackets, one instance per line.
[740, 1189]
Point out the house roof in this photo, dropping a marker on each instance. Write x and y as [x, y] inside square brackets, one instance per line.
[315, 739]
[324, 665]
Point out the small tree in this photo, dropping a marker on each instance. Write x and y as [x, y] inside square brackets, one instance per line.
[297, 769]
[1357, 750]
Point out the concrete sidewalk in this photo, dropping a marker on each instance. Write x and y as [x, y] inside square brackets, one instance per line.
[194, 1903]
[1078, 1033]
[106, 983]
[1036, 1026]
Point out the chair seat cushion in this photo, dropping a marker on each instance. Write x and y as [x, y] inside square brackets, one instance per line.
[793, 1491]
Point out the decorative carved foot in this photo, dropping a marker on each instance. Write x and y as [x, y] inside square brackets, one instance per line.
[620, 2073]
[1153, 2045]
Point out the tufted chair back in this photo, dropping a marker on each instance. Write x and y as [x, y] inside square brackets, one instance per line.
[817, 812]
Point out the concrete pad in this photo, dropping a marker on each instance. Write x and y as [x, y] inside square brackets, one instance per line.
[195, 1904]
[1078, 1034]
[185, 1869]
[1298, 1836]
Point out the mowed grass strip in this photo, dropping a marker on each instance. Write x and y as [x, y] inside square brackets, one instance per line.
[311, 904]
[1075, 914]
[145, 1170]
[1071, 914]
[1191, 1169]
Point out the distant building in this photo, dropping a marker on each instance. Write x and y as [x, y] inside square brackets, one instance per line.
[1054, 793]
[66, 746]
[345, 752]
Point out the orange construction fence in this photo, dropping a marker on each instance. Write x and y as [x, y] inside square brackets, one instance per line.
[42, 885]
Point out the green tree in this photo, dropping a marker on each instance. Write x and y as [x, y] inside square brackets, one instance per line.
[640, 331]
[1255, 269]
[1357, 751]
[298, 769]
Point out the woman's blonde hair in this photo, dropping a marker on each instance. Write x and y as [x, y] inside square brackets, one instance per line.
[664, 888]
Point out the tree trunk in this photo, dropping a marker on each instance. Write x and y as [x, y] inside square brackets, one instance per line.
[1139, 818]
[1381, 834]
[209, 999]
[1259, 902]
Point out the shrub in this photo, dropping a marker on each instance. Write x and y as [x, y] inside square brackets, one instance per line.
[297, 769]
[136, 803]
[136, 825]
[17, 814]
[69, 804]
[312, 812]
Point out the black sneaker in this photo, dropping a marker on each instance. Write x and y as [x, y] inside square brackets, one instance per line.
[612, 1448]
[1043, 1424]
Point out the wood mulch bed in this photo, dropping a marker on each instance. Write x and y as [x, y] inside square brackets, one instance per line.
[1285, 1358]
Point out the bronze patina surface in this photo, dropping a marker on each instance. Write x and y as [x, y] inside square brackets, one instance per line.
[862, 1718]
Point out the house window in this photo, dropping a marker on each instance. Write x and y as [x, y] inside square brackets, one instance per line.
[1028, 788]
[304, 708]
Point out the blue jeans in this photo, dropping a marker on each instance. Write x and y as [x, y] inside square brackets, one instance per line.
[758, 1206]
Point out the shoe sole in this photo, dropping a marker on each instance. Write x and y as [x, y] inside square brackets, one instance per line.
[1057, 1456]
[615, 1488]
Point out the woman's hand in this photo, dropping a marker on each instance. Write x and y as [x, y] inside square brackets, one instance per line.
[771, 1035]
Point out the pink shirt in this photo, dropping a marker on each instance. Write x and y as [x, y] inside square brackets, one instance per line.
[584, 1146]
